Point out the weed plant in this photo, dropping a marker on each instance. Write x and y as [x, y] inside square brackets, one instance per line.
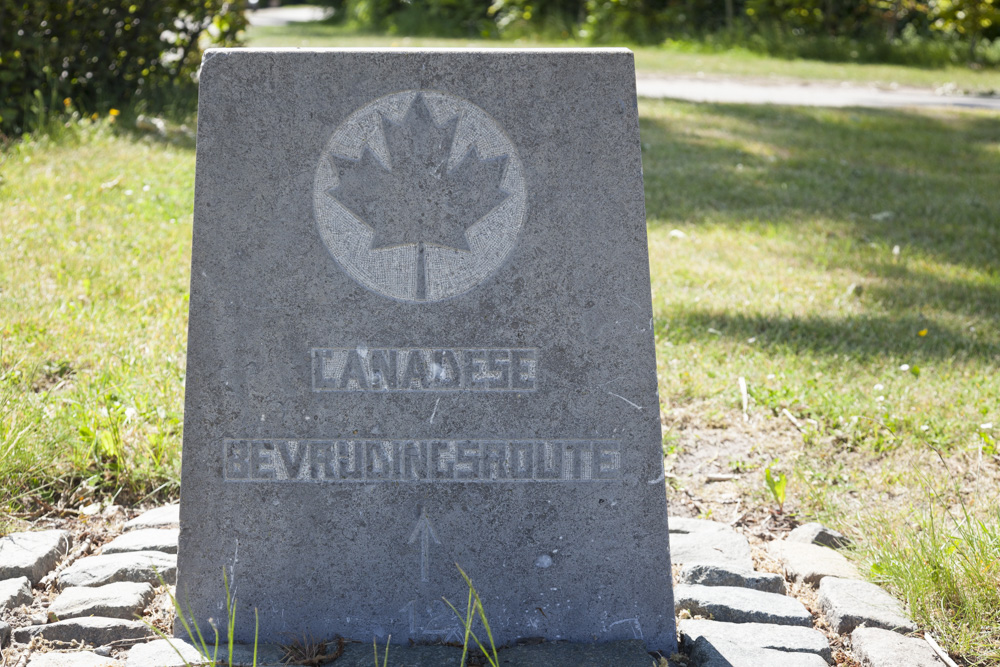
[946, 568]
[210, 651]
[473, 610]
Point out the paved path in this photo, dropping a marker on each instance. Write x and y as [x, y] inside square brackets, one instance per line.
[803, 93]
[272, 16]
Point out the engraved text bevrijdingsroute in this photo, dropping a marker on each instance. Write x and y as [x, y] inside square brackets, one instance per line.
[424, 369]
[497, 461]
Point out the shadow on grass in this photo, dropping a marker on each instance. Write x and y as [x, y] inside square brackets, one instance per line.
[929, 180]
[846, 186]
[862, 337]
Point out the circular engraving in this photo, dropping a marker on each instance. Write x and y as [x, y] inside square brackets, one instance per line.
[419, 196]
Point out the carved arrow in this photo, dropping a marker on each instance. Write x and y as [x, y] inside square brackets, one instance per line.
[425, 531]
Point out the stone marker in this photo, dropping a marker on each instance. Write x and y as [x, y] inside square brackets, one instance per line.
[421, 335]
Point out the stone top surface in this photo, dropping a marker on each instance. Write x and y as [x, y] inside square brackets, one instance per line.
[421, 335]
[163, 517]
[32, 554]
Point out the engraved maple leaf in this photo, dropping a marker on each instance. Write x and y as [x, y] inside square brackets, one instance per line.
[417, 199]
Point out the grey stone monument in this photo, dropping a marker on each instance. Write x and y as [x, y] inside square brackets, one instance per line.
[421, 336]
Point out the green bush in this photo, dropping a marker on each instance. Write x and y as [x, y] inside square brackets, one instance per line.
[455, 18]
[95, 56]
[928, 33]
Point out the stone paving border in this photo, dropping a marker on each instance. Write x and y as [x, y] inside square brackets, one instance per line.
[32, 555]
[850, 603]
[875, 647]
[703, 551]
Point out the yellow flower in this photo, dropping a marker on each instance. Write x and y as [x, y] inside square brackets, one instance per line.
[93, 116]
[67, 102]
[114, 112]
[922, 333]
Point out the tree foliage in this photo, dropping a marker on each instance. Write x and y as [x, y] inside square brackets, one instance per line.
[95, 56]
[878, 24]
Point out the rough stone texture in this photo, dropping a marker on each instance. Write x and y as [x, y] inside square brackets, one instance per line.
[14, 593]
[848, 603]
[144, 539]
[712, 574]
[5, 634]
[166, 516]
[164, 653]
[626, 653]
[72, 659]
[875, 647]
[699, 541]
[818, 534]
[740, 605]
[510, 293]
[91, 630]
[119, 600]
[760, 636]
[809, 563]
[704, 653]
[33, 554]
[136, 566]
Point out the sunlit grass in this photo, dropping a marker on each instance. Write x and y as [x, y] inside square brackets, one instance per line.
[845, 263]
[95, 236]
[817, 246]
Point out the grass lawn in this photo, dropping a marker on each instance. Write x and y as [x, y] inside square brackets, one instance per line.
[843, 262]
[846, 265]
[672, 59]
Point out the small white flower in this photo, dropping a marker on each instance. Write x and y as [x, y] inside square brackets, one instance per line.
[770, 376]
[987, 426]
[880, 398]
[904, 367]
[131, 413]
[128, 193]
[925, 427]
[145, 188]
[878, 387]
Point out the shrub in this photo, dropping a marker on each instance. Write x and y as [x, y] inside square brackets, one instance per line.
[95, 56]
